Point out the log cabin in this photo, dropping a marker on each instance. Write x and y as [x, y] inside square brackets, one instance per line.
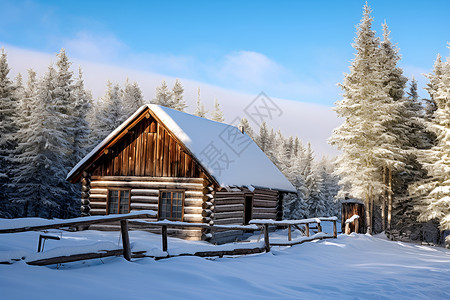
[184, 167]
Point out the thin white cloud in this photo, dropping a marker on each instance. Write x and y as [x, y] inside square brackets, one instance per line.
[95, 47]
[310, 122]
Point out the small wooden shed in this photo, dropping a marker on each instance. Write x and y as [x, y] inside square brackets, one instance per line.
[351, 207]
[184, 167]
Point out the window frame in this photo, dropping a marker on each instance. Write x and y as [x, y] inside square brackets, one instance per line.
[183, 193]
[118, 203]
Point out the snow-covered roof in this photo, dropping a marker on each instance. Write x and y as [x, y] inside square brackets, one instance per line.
[227, 154]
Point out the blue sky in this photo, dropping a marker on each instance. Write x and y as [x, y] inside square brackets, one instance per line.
[295, 50]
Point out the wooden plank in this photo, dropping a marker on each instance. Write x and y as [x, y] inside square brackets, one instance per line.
[264, 210]
[138, 155]
[166, 155]
[192, 210]
[132, 156]
[75, 257]
[144, 199]
[149, 154]
[193, 202]
[226, 215]
[125, 164]
[260, 203]
[225, 201]
[144, 206]
[148, 178]
[99, 191]
[237, 221]
[263, 216]
[101, 205]
[145, 192]
[149, 185]
[228, 208]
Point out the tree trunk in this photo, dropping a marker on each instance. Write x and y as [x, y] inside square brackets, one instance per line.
[389, 216]
[383, 202]
[368, 214]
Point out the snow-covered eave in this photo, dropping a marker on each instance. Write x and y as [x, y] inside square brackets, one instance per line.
[293, 190]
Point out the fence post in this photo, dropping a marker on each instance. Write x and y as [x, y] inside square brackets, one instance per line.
[289, 233]
[334, 229]
[307, 229]
[319, 227]
[125, 239]
[164, 237]
[266, 237]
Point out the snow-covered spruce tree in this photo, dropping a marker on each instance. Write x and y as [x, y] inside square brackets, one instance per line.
[404, 217]
[217, 114]
[40, 179]
[23, 154]
[365, 116]
[163, 96]
[247, 128]
[132, 98]
[200, 111]
[434, 79]
[8, 129]
[109, 113]
[435, 202]
[396, 120]
[177, 95]
[314, 198]
[329, 186]
[263, 138]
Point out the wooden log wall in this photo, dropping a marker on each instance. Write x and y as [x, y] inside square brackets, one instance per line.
[144, 195]
[148, 149]
[228, 209]
[85, 193]
[265, 204]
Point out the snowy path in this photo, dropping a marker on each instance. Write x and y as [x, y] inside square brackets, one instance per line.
[355, 266]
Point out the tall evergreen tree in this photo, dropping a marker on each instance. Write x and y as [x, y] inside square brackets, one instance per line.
[435, 203]
[132, 98]
[366, 113]
[217, 114]
[247, 128]
[109, 113]
[200, 110]
[8, 129]
[177, 95]
[432, 87]
[163, 96]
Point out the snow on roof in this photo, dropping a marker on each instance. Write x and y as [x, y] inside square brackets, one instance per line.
[229, 155]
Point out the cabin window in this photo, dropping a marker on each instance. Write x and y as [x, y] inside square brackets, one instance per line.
[171, 205]
[118, 201]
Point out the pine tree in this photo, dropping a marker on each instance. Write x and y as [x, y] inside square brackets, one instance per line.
[177, 94]
[434, 78]
[109, 113]
[247, 128]
[200, 110]
[8, 129]
[132, 98]
[365, 119]
[163, 96]
[217, 114]
[263, 137]
[435, 204]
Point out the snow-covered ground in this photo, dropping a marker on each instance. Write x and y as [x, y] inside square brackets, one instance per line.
[349, 267]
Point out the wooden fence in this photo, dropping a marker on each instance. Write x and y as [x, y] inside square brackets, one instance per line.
[132, 218]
